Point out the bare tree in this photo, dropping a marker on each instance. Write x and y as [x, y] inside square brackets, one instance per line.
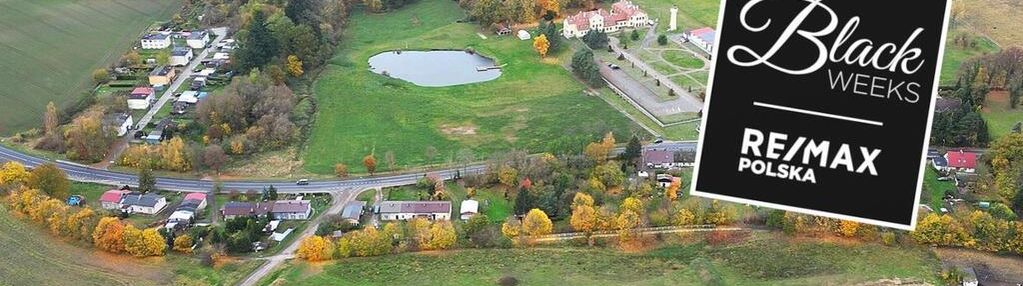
[389, 158]
[214, 157]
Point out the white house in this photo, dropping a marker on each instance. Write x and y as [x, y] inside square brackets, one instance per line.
[140, 97]
[119, 123]
[702, 38]
[189, 96]
[198, 39]
[623, 14]
[180, 56]
[155, 41]
[405, 210]
[291, 210]
[111, 199]
[468, 209]
[143, 203]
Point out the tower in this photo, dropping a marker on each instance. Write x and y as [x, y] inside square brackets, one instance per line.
[674, 18]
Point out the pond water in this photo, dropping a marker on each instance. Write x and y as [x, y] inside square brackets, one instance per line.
[434, 68]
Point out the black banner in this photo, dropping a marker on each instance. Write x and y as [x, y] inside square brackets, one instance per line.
[822, 107]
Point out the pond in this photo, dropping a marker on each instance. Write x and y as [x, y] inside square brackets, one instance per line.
[434, 68]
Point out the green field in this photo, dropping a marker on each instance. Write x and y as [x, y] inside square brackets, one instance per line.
[692, 14]
[1000, 118]
[533, 106]
[682, 59]
[956, 54]
[766, 260]
[934, 190]
[49, 48]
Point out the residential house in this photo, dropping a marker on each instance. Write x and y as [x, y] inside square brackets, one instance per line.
[141, 97]
[119, 123]
[702, 38]
[180, 56]
[940, 164]
[199, 198]
[143, 203]
[198, 39]
[111, 199]
[161, 75]
[405, 210]
[658, 159]
[232, 210]
[155, 41]
[623, 14]
[189, 97]
[291, 210]
[961, 161]
[353, 211]
[468, 209]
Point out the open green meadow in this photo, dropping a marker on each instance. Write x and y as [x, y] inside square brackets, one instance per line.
[692, 14]
[766, 259]
[49, 49]
[535, 106]
[956, 54]
[999, 115]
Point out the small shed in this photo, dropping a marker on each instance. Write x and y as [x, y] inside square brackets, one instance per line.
[502, 29]
[469, 208]
[75, 200]
[524, 35]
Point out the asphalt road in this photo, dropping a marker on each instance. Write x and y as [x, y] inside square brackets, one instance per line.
[82, 173]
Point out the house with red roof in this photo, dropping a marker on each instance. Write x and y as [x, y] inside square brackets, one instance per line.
[197, 199]
[140, 97]
[111, 199]
[961, 161]
[702, 38]
[623, 14]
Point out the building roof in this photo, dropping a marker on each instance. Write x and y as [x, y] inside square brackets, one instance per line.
[620, 11]
[197, 35]
[116, 119]
[706, 34]
[469, 207]
[939, 162]
[189, 96]
[245, 209]
[415, 206]
[180, 51]
[160, 71]
[195, 196]
[112, 196]
[946, 104]
[138, 199]
[155, 36]
[353, 210]
[291, 206]
[141, 92]
[658, 157]
[960, 159]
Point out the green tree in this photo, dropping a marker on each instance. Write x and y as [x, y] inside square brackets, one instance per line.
[585, 68]
[100, 76]
[634, 35]
[259, 46]
[147, 181]
[633, 150]
[662, 40]
[51, 180]
[550, 30]
[595, 39]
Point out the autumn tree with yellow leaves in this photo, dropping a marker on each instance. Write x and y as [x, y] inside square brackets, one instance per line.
[183, 243]
[109, 235]
[316, 248]
[541, 44]
[13, 173]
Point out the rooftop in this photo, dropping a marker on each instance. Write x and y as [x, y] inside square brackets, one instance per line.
[139, 199]
[353, 210]
[160, 71]
[155, 36]
[180, 51]
[290, 206]
[415, 206]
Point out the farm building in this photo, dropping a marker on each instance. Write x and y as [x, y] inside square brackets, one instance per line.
[353, 211]
[155, 41]
[119, 123]
[501, 29]
[143, 203]
[291, 210]
[405, 210]
[703, 38]
[112, 199]
[140, 97]
[180, 56]
[468, 209]
[161, 75]
[232, 210]
[198, 39]
[623, 14]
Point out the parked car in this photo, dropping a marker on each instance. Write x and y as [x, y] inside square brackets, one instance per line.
[613, 66]
[302, 182]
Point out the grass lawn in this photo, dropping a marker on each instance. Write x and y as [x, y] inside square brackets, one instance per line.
[692, 14]
[50, 48]
[682, 59]
[492, 202]
[998, 116]
[934, 190]
[535, 106]
[767, 260]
